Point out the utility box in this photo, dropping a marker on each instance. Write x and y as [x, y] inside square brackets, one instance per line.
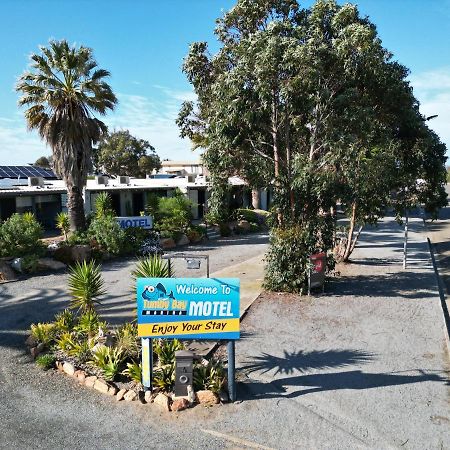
[184, 361]
[317, 272]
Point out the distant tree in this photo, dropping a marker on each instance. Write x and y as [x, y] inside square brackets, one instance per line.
[62, 91]
[120, 153]
[44, 162]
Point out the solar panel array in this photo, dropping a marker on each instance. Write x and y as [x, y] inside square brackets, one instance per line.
[25, 172]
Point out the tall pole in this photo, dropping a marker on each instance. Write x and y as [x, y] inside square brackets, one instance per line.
[231, 371]
[405, 244]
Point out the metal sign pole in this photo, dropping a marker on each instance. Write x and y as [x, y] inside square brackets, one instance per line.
[231, 371]
[147, 363]
[405, 243]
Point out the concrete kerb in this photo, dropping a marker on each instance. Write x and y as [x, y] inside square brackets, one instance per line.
[445, 312]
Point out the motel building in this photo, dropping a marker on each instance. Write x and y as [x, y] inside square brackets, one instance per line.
[30, 188]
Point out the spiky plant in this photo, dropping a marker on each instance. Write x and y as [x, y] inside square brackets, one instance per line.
[165, 350]
[46, 361]
[133, 371]
[43, 332]
[103, 205]
[127, 339]
[89, 324]
[152, 267]
[210, 377]
[64, 321]
[164, 377]
[62, 90]
[63, 224]
[109, 360]
[85, 285]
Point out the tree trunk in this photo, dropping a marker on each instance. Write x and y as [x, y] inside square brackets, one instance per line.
[276, 154]
[351, 241]
[255, 198]
[75, 206]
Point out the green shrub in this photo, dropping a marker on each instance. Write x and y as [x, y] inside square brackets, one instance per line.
[134, 372]
[107, 233]
[246, 214]
[20, 235]
[43, 332]
[288, 259]
[254, 228]
[78, 238]
[164, 377]
[64, 321]
[30, 263]
[63, 224]
[174, 213]
[165, 350]
[85, 285]
[66, 341]
[127, 339]
[46, 361]
[210, 377]
[134, 237]
[81, 348]
[109, 360]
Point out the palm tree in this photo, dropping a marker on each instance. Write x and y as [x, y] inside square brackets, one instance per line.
[62, 90]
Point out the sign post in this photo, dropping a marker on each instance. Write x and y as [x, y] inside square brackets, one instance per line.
[188, 308]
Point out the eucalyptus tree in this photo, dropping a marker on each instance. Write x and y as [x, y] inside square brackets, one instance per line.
[63, 90]
[309, 103]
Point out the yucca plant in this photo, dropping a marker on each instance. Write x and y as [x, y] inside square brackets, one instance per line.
[63, 224]
[85, 285]
[164, 377]
[66, 341]
[165, 350]
[151, 267]
[133, 371]
[103, 205]
[89, 324]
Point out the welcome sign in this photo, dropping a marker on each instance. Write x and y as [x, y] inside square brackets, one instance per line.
[188, 308]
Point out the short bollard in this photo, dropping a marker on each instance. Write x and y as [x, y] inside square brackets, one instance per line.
[183, 372]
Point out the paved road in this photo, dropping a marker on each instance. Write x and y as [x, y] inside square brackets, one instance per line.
[362, 366]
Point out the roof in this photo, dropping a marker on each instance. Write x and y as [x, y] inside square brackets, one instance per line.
[58, 186]
[181, 163]
[25, 172]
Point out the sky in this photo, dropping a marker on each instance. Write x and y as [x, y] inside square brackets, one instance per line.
[142, 43]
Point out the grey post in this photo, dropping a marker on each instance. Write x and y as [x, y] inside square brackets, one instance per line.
[231, 371]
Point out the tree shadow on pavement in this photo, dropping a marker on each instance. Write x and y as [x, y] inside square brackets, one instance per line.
[301, 361]
[322, 382]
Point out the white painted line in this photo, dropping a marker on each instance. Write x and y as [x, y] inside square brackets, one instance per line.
[236, 440]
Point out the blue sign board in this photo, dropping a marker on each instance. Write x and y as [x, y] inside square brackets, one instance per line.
[188, 308]
[145, 222]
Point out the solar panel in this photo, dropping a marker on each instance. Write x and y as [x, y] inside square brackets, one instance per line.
[25, 172]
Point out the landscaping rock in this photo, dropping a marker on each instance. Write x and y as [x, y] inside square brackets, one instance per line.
[184, 240]
[50, 264]
[89, 381]
[112, 390]
[63, 254]
[223, 397]
[163, 401]
[6, 273]
[81, 253]
[191, 395]
[101, 386]
[244, 225]
[69, 369]
[148, 396]
[35, 351]
[59, 365]
[120, 394]
[207, 398]
[130, 396]
[81, 376]
[180, 404]
[167, 243]
[31, 341]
